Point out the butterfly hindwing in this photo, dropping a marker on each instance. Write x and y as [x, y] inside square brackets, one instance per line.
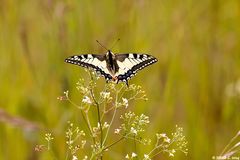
[93, 61]
[129, 64]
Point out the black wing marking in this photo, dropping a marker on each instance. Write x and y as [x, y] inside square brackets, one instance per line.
[130, 64]
[93, 61]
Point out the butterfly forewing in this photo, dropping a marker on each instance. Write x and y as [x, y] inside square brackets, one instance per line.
[130, 63]
[93, 61]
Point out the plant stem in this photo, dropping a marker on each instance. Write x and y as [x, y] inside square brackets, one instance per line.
[157, 153]
[135, 145]
[100, 123]
[99, 116]
[114, 113]
[114, 143]
[88, 126]
[227, 146]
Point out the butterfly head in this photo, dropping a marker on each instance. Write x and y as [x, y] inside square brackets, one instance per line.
[109, 53]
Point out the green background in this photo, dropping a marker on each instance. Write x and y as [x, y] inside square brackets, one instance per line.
[194, 84]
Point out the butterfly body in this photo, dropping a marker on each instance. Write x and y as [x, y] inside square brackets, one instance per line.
[114, 67]
[111, 62]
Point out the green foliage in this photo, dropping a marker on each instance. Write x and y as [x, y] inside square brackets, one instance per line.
[132, 127]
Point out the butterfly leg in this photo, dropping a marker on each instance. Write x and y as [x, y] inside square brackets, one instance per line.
[127, 83]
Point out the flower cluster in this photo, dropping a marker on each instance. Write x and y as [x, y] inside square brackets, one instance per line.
[132, 127]
[75, 139]
[169, 145]
[136, 92]
[81, 87]
[97, 129]
[99, 107]
[106, 96]
[180, 140]
[48, 138]
[133, 124]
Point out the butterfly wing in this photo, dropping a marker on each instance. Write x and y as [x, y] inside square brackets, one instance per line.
[93, 61]
[129, 64]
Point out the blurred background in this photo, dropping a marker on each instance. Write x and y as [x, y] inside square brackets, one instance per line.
[195, 84]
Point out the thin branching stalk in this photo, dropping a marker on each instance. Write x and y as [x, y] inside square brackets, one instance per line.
[98, 112]
[135, 145]
[155, 148]
[99, 116]
[120, 139]
[114, 114]
[86, 120]
[157, 153]
[230, 142]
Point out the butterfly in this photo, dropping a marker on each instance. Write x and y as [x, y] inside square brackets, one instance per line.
[113, 67]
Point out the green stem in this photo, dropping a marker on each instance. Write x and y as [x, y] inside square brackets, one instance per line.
[88, 126]
[114, 113]
[157, 153]
[227, 146]
[99, 116]
[114, 143]
[99, 121]
[135, 145]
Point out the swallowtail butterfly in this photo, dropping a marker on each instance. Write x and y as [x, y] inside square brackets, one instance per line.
[119, 67]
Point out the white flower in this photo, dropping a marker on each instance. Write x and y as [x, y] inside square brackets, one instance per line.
[171, 154]
[117, 131]
[134, 155]
[105, 95]
[166, 139]
[105, 125]
[74, 158]
[125, 102]
[146, 157]
[133, 130]
[127, 156]
[66, 93]
[162, 135]
[86, 100]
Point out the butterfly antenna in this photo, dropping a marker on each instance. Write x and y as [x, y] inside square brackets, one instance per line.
[102, 45]
[115, 43]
